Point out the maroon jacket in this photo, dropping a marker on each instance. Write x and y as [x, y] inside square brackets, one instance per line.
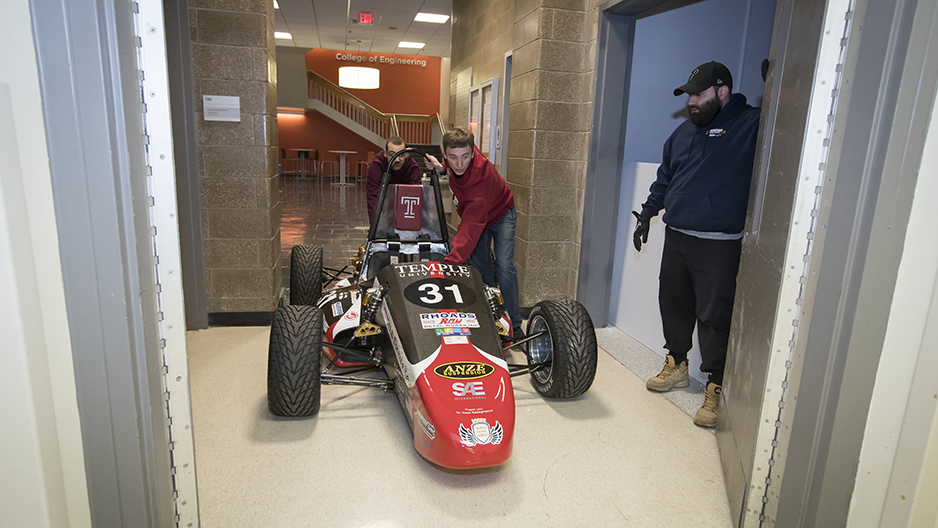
[409, 174]
[482, 198]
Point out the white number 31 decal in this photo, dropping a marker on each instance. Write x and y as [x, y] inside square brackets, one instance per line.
[432, 293]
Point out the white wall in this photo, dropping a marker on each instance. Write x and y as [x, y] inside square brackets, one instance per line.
[634, 305]
[42, 472]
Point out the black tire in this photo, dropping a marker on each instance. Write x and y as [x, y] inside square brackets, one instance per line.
[293, 361]
[305, 275]
[569, 347]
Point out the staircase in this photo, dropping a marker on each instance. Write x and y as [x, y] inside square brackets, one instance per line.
[369, 123]
[431, 149]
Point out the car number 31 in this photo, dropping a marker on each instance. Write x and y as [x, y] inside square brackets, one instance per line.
[434, 293]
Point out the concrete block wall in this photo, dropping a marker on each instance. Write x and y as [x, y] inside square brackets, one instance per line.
[233, 53]
[553, 53]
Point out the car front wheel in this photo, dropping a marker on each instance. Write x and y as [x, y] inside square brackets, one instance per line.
[566, 351]
[293, 361]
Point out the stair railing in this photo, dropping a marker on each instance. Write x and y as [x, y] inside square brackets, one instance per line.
[412, 128]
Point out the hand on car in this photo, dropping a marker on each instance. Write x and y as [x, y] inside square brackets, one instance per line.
[640, 235]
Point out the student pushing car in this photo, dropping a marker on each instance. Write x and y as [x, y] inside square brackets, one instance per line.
[486, 207]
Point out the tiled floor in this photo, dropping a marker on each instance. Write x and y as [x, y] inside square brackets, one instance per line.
[617, 456]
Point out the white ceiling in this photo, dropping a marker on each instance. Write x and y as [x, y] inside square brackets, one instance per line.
[333, 24]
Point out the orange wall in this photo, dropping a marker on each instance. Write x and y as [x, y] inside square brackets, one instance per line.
[405, 88]
[313, 130]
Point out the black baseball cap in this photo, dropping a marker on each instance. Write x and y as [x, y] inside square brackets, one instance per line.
[704, 76]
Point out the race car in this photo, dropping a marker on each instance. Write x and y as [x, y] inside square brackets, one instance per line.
[428, 330]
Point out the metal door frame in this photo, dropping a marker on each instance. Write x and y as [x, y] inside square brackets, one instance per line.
[105, 103]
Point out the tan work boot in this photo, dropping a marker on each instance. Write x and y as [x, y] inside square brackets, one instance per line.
[671, 376]
[707, 414]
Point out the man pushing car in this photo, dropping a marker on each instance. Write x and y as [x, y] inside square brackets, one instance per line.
[486, 207]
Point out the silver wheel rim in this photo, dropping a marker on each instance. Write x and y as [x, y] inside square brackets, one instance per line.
[541, 349]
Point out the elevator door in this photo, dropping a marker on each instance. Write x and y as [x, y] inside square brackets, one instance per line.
[644, 53]
[665, 50]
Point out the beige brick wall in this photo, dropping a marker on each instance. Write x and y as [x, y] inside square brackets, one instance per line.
[233, 53]
[550, 115]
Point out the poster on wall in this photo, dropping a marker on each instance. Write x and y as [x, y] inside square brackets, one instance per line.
[483, 114]
[463, 82]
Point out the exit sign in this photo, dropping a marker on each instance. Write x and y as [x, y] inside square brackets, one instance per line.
[365, 18]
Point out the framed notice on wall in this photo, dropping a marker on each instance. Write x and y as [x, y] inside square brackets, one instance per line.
[221, 108]
[483, 114]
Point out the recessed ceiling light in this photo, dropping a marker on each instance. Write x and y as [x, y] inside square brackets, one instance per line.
[429, 17]
[276, 5]
[283, 35]
[417, 45]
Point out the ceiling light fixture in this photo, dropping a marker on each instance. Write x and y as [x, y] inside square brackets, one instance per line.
[429, 17]
[359, 78]
[276, 5]
[283, 35]
[417, 45]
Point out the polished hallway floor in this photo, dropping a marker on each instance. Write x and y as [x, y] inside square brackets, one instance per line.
[617, 456]
[315, 211]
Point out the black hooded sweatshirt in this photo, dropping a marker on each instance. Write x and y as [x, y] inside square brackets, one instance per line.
[704, 178]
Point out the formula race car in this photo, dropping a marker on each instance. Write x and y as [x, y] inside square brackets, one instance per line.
[431, 331]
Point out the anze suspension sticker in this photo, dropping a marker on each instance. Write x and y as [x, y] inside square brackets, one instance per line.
[444, 319]
[464, 370]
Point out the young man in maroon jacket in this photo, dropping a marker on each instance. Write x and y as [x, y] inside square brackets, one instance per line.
[486, 208]
[403, 170]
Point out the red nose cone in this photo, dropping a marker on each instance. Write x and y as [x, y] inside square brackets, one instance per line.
[464, 415]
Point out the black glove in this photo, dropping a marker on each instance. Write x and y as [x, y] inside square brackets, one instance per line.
[641, 230]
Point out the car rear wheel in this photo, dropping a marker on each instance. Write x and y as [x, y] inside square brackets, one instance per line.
[305, 275]
[293, 361]
[567, 349]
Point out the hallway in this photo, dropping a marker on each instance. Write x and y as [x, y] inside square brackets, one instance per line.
[617, 456]
[317, 212]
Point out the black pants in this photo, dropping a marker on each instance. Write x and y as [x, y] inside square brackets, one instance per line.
[696, 286]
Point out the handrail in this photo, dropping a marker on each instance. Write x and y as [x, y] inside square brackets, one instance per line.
[414, 128]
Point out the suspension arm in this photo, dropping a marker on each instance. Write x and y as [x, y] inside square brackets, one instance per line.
[517, 344]
[330, 379]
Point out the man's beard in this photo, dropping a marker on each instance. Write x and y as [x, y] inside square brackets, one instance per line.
[706, 112]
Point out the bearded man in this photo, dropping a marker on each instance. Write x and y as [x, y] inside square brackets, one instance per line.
[703, 186]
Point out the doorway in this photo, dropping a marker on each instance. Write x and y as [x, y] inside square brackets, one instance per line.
[643, 54]
[666, 50]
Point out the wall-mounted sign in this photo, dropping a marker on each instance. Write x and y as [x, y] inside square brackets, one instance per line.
[221, 108]
[379, 59]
